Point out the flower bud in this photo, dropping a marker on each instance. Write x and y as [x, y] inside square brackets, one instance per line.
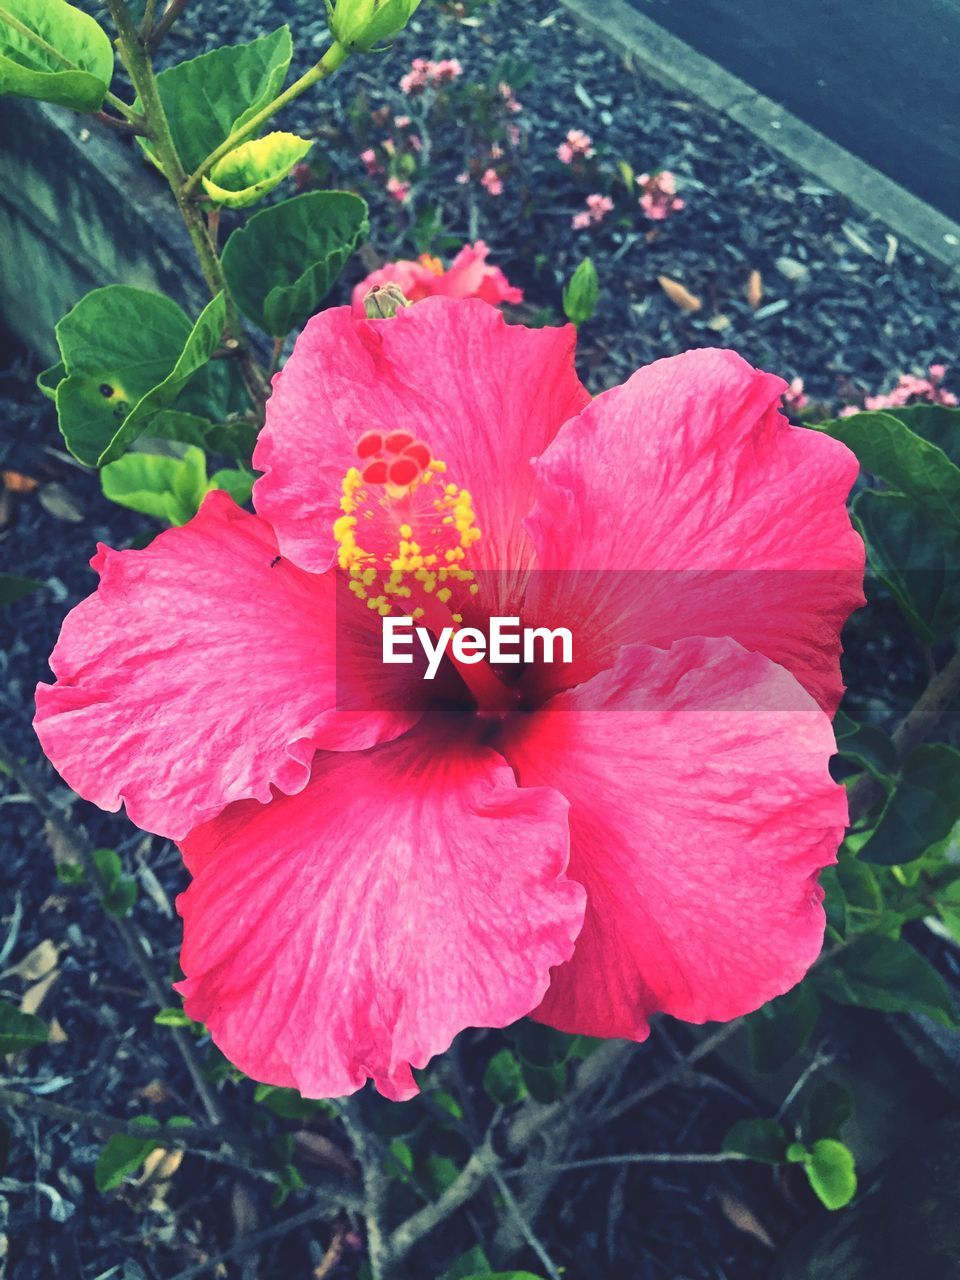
[580, 294]
[384, 301]
[360, 25]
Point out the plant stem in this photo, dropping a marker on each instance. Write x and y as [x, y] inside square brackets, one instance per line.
[167, 19]
[139, 65]
[474, 1173]
[331, 60]
[650, 1157]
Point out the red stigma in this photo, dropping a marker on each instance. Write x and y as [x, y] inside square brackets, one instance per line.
[403, 471]
[397, 441]
[369, 444]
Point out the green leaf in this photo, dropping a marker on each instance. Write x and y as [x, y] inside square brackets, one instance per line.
[164, 487]
[919, 561]
[760, 1139]
[13, 587]
[239, 484]
[49, 379]
[886, 973]
[581, 293]
[472, 1263]
[832, 1172]
[504, 1275]
[936, 423]
[124, 1154]
[52, 51]
[782, 1027]
[247, 173]
[173, 1018]
[865, 745]
[282, 264]
[202, 340]
[18, 1030]
[923, 809]
[438, 1173]
[206, 98]
[128, 354]
[117, 344]
[119, 891]
[287, 1103]
[829, 1109]
[888, 446]
[503, 1079]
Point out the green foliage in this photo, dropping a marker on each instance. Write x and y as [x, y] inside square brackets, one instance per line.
[886, 973]
[285, 1102]
[581, 293]
[18, 1030]
[503, 1079]
[13, 587]
[128, 353]
[53, 51]
[830, 1169]
[251, 170]
[760, 1139]
[828, 1110]
[173, 1018]
[905, 449]
[206, 98]
[919, 561]
[170, 487]
[283, 263]
[865, 745]
[923, 809]
[782, 1027]
[119, 892]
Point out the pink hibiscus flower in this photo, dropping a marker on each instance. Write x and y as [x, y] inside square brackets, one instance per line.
[468, 276]
[377, 865]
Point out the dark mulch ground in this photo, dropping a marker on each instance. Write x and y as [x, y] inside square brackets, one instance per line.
[851, 307]
[844, 306]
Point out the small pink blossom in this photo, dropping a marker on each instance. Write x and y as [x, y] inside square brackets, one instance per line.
[416, 142]
[659, 199]
[513, 135]
[492, 182]
[462, 178]
[372, 164]
[425, 74]
[402, 121]
[598, 206]
[577, 146]
[509, 97]
[399, 189]
[912, 390]
[496, 151]
[794, 398]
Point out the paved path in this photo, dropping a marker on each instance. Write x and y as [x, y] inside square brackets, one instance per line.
[880, 77]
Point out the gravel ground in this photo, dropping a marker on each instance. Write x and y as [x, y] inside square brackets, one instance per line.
[844, 308]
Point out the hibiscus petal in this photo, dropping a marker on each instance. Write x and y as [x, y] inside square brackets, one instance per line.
[709, 515]
[485, 396]
[201, 672]
[353, 930]
[701, 810]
